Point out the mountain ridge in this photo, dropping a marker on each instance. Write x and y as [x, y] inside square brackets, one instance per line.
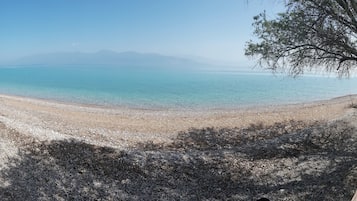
[105, 57]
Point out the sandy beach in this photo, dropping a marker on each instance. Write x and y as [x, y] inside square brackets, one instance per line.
[59, 151]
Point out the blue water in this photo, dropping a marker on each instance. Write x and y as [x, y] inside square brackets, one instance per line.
[150, 88]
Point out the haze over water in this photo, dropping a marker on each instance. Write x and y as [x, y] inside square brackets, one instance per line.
[150, 88]
[198, 29]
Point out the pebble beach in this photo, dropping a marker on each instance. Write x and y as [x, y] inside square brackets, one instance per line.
[39, 136]
[123, 127]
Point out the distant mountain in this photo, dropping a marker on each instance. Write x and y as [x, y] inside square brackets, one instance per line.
[108, 58]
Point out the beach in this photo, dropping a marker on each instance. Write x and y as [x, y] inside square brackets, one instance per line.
[88, 143]
[123, 127]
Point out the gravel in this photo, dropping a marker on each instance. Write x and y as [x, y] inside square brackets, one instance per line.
[291, 160]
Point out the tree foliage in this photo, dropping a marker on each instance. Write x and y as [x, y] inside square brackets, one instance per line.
[310, 34]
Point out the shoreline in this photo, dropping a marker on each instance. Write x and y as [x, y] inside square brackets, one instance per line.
[163, 108]
[270, 106]
[124, 127]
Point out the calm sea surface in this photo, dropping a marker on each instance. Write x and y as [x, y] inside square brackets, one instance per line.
[148, 88]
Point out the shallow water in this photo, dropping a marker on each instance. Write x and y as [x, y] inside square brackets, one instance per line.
[162, 88]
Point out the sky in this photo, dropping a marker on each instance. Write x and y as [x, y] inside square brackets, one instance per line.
[212, 29]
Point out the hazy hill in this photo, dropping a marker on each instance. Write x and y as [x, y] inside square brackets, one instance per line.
[108, 58]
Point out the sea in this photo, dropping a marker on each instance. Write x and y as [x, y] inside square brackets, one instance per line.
[149, 88]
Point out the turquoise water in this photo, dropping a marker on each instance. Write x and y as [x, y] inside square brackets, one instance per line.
[150, 88]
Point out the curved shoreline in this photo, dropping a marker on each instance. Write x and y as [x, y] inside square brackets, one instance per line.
[237, 107]
[124, 127]
[344, 98]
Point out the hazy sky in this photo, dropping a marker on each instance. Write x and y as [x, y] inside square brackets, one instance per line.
[215, 29]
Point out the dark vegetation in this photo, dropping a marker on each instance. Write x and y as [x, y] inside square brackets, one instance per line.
[286, 161]
[310, 34]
